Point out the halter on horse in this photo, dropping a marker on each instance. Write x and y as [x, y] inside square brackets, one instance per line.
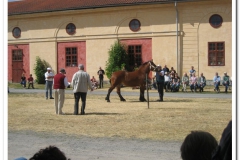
[131, 79]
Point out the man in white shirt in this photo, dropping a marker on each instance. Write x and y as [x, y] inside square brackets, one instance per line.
[49, 82]
[81, 83]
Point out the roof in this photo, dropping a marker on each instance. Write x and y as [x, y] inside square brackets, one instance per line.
[39, 6]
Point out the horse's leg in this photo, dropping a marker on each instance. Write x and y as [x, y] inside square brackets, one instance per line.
[141, 98]
[119, 93]
[109, 92]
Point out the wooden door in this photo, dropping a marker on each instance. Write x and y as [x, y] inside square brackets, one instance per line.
[17, 65]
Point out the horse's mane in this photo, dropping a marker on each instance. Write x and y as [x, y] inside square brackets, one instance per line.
[144, 64]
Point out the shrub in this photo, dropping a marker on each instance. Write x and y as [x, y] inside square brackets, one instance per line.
[117, 60]
[40, 69]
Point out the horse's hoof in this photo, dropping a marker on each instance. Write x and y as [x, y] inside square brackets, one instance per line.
[108, 100]
[123, 100]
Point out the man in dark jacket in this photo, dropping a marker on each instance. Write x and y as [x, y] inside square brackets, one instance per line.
[160, 82]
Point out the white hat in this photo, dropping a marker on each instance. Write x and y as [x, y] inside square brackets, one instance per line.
[49, 68]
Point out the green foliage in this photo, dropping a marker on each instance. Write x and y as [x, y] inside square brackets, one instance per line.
[40, 69]
[117, 60]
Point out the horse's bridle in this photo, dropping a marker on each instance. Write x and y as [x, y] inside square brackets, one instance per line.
[151, 66]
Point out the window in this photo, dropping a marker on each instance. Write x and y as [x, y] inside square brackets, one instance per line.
[71, 29]
[215, 21]
[16, 32]
[216, 53]
[71, 57]
[135, 55]
[135, 25]
[17, 55]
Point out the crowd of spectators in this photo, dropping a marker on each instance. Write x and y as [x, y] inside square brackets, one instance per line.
[173, 82]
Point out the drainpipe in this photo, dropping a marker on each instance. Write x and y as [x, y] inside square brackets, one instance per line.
[178, 68]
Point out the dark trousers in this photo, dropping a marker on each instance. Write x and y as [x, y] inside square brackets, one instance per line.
[30, 84]
[77, 96]
[160, 90]
[167, 85]
[100, 82]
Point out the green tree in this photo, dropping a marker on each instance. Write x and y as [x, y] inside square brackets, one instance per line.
[40, 69]
[117, 60]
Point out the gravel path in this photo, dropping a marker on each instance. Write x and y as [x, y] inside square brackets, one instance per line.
[25, 144]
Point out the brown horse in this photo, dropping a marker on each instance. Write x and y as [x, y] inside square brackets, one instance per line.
[131, 79]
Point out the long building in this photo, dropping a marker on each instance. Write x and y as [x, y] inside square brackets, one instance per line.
[64, 33]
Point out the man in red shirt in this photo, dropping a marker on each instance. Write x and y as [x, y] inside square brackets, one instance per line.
[30, 81]
[59, 84]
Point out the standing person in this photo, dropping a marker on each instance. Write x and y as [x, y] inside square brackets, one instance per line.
[23, 80]
[185, 82]
[80, 83]
[172, 70]
[49, 82]
[216, 81]
[60, 82]
[191, 71]
[165, 68]
[226, 81]
[30, 82]
[100, 73]
[201, 82]
[160, 82]
[167, 81]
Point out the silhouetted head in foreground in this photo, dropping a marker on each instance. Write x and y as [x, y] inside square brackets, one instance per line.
[198, 145]
[49, 153]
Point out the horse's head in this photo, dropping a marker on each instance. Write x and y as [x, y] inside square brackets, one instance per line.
[148, 66]
[152, 66]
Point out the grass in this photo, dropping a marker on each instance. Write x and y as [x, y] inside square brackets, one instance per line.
[171, 120]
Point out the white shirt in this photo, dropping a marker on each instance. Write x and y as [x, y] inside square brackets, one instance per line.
[48, 75]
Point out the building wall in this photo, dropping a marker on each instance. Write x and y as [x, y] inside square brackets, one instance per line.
[100, 28]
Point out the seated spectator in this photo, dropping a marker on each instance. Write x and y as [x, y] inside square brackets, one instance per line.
[167, 81]
[224, 149]
[175, 83]
[198, 145]
[185, 82]
[201, 82]
[30, 82]
[23, 80]
[216, 81]
[94, 82]
[193, 82]
[191, 71]
[226, 81]
[49, 153]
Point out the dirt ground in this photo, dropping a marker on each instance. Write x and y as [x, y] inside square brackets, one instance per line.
[24, 138]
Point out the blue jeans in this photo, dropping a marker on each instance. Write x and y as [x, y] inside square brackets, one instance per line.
[201, 85]
[216, 85]
[48, 86]
[77, 96]
[226, 84]
[23, 83]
